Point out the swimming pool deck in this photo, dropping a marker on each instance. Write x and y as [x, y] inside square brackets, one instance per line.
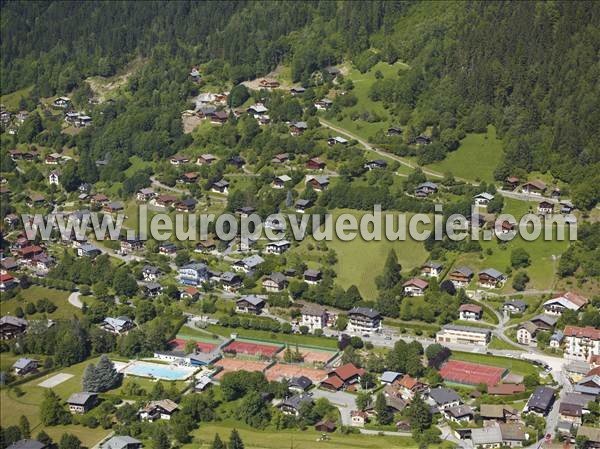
[157, 371]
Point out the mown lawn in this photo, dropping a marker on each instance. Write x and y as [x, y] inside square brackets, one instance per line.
[359, 261]
[496, 343]
[32, 294]
[308, 439]
[515, 365]
[476, 158]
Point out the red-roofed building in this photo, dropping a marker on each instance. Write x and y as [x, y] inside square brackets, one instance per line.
[409, 386]
[29, 252]
[343, 377]
[505, 389]
[470, 312]
[471, 373]
[581, 343]
[415, 287]
[7, 282]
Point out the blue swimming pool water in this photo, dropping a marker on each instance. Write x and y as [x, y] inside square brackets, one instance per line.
[158, 371]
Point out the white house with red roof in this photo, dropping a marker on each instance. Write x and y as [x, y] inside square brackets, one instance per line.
[470, 312]
[581, 343]
[415, 287]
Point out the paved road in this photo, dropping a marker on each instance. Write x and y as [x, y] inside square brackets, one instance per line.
[74, 300]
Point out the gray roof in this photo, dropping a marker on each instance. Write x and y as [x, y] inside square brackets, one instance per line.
[550, 320]
[492, 272]
[459, 411]
[302, 382]
[444, 395]
[517, 303]
[433, 264]
[541, 398]
[389, 376]
[456, 327]
[120, 442]
[302, 125]
[198, 266]
[577, 399]
[486, 435]
[13, 320]
[303, 203]
[252, 299]
[277, 277]
[296, 401]
[253, 261]
[466, 271]
[27, 444]
[22, 363]
[80, 398]
[370, 313]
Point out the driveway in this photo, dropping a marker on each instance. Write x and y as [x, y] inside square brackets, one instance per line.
[74, 300]
[345, 402]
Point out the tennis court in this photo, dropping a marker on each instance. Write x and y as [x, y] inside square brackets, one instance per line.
[178, 344]
[247, 347]
[471, 374]
[229, 365]
[280, 371]
[312, 355]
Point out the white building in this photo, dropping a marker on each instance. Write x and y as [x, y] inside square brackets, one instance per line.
[363, 320]
[467, 335]
[581, 343]
[313, 317]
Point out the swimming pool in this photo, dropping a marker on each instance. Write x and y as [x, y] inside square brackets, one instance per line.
[158, 371]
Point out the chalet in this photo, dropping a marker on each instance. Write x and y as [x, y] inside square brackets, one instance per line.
[220, 186]
[363, 320]
[277, 247]
[219, 117]
[189, 293]
[71, 117]
[302, 205]
[499, 413]
[293, 404]
[591, 436]
[514, 306]
[466, 335]
[540, 401]
[193, 274]
[415, 287]
[35, 200]
[545, 208]
[29, 251]
[61, 102]
[206, 159]
[130, 244]
[268, 83]
[566, 207]
[505, 389]
[118, 325]
[444, 398]
[297, 91]
[491, 278]
[80, 403]
[280, 158]
[358, 418]
[275, 282]
[195, 75]
[100, 199]
[112, 207]
[300, 384]
[343, 377]
[298, 128]
[325, 426]
[526, 332]
[565, 301]
[205, 246]
[167, 248]
[534, 187]
[150, 273]
[377, 164]
[312, 277]
[230, 282]
[179, 160]
[459, 414]
[245, 211]
[257, 110]
[512, 182]
[249, 264]
[52, 160]
[163, 409]
[250, 304]
[54, 177]
[145, 194]
[394, 131]
[189, 177]
[280, 181]
[422, 140]
[187, 205]
[88, 250]
[324, 104]
[336, 141]
[483, 199]
[425, 189]
[9, 264]
[319, 183]
[7, 282]
[432, 269]
[581, 343]
[589, 385]
[315, 164]
[206, 98]
[314, 317]
[390, 377]
[83, 120]
[470, 312]
[206, 111]
[25, 366]
[42, 263]
[122, 442]
[164, 201]
[236, 160]
[409, 387]
[263, 120]
[12, 326]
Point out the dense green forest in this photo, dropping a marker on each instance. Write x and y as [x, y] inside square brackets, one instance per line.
[532, 69]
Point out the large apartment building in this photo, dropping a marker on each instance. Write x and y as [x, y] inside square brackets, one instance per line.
[363, 320]
[467, 335]
[581, 343]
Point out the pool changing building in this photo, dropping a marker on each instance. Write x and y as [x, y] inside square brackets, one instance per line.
[466, 335]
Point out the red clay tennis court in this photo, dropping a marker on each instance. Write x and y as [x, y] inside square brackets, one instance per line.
[203, 346]
[249, 348]
[280, 371]
[311, 355]
[229, 365]
[471, 373]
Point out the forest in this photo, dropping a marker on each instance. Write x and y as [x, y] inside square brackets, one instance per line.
[530, 69]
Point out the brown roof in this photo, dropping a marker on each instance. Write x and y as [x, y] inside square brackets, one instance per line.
[420, 283]
[537, 184]
[582, 332]
[575, 298]
[348, 371]
[408, 382]
[470, 308]
[506, 389]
